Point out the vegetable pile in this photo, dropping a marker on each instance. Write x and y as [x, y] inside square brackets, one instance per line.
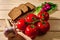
[46, 6]
[33, 25]
[36, 23]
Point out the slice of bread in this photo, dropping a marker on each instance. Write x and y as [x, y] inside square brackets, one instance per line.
[14, 13]
[30, 5]
[20, 11]
[23, 7]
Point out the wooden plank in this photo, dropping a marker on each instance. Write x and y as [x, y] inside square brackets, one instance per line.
[2, 37]
[55, 15]
[54, 25]
[8, 4]
[2, 25]
[23, 1]
[4, 14]
[7, 7]
[48, 36]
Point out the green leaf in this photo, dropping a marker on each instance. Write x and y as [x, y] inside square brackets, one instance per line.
[32, 26]
[52, 8]
[50, 3]
[37, 10]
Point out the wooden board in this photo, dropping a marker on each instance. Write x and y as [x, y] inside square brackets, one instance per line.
[2, 25]
[7, 5]
[4, 14]
[54, 25]
[48, 36]
[2, 37]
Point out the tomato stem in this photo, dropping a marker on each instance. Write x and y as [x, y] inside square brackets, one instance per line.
[43, 22]
[32, 26]
[35, 21]
[43, 14]
[34, 18]
[42, 18]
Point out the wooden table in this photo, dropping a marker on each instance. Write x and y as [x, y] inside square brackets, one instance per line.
[54, 32]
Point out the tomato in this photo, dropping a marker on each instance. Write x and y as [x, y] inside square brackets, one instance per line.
[21, 24]
[31, 31]
[30, 18]
[43, 16]
[43, 26]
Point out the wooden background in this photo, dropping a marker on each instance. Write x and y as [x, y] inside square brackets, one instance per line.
[7, 5]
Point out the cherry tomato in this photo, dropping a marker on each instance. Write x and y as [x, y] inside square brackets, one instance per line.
[43, 26]
[21, 24]
[31, 31]
[43, 16]
[30, 18]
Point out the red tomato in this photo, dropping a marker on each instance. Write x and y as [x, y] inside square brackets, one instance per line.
[31, 31]
[21, 24]
[43, 26]
[30, 18]
[43, 16]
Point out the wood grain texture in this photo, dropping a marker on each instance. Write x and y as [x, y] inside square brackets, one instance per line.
[4, 14]
[54, 25]
[2, 25]
[47, 36]
[7, 5]
[13, 3]
[2, 37]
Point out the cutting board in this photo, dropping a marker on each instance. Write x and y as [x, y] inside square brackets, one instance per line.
[7, 5]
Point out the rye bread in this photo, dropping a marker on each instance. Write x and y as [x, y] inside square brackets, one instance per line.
[14, 13]
[23, 7]
[21, 11]
[30, 6]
